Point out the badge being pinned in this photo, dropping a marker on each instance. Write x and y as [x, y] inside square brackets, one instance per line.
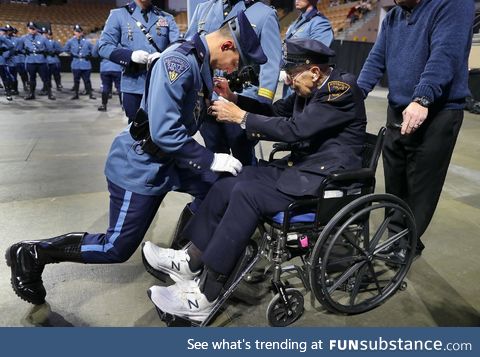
[336, 89]
[175, 67]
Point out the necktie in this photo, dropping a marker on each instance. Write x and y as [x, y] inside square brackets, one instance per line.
[145, 15]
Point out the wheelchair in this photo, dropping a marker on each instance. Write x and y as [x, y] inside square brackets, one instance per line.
[352, 248]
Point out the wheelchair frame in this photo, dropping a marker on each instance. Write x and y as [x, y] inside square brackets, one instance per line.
[338, 254]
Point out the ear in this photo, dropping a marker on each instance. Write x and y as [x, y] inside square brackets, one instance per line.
[227, 45]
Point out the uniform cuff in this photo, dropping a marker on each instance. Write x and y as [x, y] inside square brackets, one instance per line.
[121, 56]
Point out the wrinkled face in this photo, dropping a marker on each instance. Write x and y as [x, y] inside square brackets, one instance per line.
[302, 5]
[302, 79]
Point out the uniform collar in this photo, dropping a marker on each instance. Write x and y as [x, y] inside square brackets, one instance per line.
[133, 5]
[202, 51]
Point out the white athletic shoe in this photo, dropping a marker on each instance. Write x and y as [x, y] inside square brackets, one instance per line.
[183, 299]
[168, 261]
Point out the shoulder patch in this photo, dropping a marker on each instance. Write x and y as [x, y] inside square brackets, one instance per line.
[336, 89]
[175, 67]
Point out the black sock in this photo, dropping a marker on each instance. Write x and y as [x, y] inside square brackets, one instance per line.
[211, 283]
[195, 263]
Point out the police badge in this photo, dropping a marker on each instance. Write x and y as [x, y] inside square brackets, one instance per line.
[161, 22]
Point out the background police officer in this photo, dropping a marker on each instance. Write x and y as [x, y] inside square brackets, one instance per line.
[131, 37]
[110, 73]
[310, 24]
[6, 48]
[35, 47]
[139, 180]
[53, 60]
[81, 51]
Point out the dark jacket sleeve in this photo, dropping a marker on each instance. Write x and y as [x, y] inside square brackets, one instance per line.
[324, 111]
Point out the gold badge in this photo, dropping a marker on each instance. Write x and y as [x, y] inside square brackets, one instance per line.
[336, 89]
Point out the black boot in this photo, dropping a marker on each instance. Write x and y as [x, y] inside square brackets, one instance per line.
[15, 88]
[75, 89]
[103, 107]
[31, 94]
[27, 259]
[90, 91]
[8, 91]
[178, 241]
[49, 92]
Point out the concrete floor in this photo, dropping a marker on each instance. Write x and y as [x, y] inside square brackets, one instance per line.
[51, 182]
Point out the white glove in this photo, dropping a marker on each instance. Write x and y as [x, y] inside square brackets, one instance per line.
[226, 163]
[152, 57]
[140, 56]
[283, 76]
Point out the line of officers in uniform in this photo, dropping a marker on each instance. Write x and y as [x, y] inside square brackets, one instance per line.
[134, 37]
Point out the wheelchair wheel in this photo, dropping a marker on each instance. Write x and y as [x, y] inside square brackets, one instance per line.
[279, 315]
[363, 254]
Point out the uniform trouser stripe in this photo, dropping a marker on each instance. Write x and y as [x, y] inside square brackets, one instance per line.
[117, 230]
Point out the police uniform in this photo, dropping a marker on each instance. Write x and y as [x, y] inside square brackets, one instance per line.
[35, 47]
[329, 125]
[123, 34]
[81, 51]
[137, 180]
[6, 48]
[54, 64]
[110, 73]
[19, 60]
[313, 25]
[10, 58]
[208, 17]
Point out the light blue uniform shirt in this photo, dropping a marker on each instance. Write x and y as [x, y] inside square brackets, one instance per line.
[121, 36]
[209, 16]
[81, 50]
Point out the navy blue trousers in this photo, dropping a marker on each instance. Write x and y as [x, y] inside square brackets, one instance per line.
[108, 79]
[130, 217]
[33, 69]
[228, 138]
[5, 75]
[131, 103]
[54, 70]
[229, 214]
[22, 71]
[84, 74]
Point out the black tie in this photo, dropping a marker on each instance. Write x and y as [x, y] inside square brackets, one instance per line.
[145, 15]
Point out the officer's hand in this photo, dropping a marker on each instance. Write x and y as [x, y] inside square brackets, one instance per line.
[282, 76]
[140, 56]
[222, 89]
[413, 116]
[152, 57]
[226, 163]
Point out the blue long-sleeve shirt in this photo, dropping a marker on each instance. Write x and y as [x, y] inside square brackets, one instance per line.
[425, 54]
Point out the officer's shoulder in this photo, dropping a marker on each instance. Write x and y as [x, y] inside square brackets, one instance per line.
[348, 78]
[118, 11]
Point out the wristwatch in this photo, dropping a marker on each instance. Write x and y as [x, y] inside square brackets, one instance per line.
[423, 101]
[243, 123]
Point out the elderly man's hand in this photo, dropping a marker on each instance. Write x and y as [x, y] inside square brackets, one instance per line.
[413, 116]
[226, 111]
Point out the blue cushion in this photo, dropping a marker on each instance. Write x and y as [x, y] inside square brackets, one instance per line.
[301, 218]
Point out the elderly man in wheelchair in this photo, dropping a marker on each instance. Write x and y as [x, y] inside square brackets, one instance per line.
[323, 190]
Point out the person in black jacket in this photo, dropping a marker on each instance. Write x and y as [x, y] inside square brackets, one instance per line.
[324, 117]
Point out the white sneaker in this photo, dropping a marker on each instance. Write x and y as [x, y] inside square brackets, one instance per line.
[183, 299]
[168, 261]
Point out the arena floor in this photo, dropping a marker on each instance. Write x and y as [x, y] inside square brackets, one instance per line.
[52, 155]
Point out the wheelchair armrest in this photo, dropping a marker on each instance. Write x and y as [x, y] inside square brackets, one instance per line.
[351, 175]
[277, 147]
